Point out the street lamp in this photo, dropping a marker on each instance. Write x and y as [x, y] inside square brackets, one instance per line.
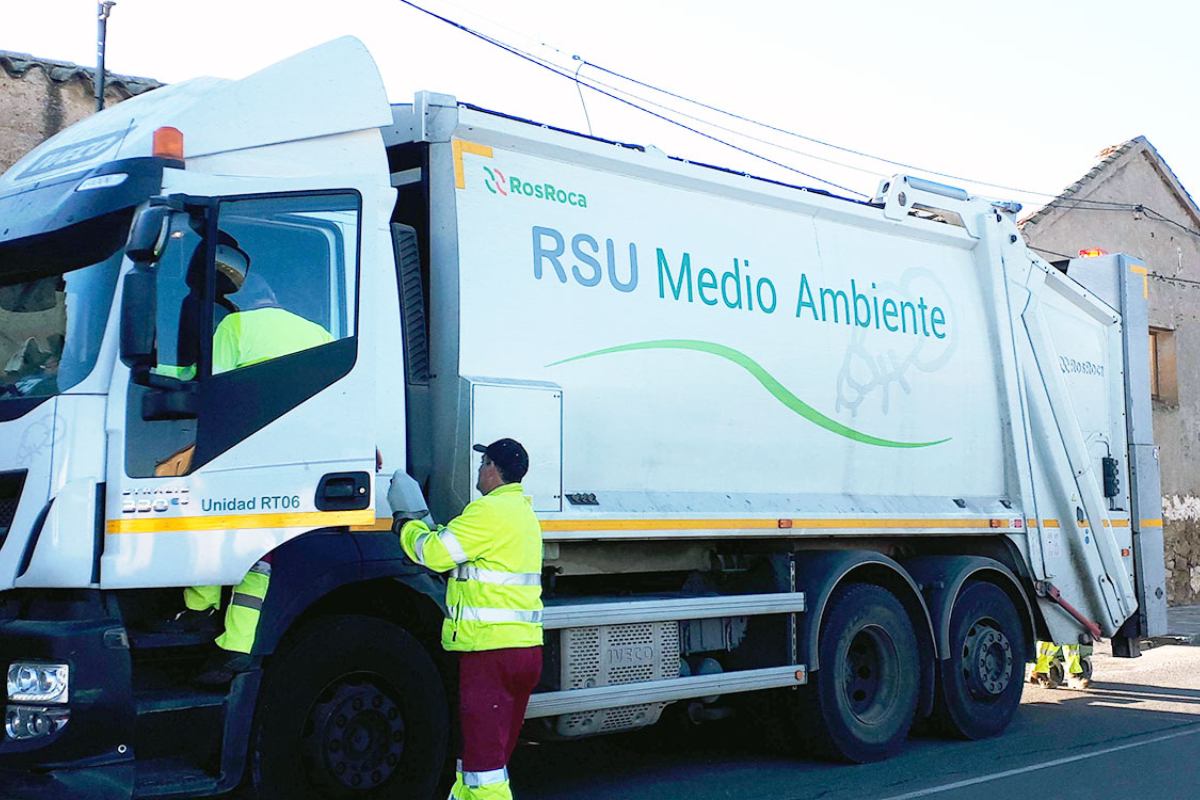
[103, 10]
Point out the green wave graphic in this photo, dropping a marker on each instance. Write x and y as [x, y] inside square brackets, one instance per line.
[768, 381]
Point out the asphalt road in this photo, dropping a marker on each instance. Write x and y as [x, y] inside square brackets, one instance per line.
[1134, 733]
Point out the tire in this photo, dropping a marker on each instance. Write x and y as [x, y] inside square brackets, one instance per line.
[980, 684]
[861, 703]
[354, 707]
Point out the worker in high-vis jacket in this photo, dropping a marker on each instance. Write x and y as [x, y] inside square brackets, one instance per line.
[257, 329]
[493, 552]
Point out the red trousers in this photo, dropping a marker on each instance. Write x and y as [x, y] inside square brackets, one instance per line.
[493, 690]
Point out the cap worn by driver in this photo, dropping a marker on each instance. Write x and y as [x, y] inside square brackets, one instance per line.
[508, 455]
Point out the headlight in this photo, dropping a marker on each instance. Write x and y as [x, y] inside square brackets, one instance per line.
[38, 683]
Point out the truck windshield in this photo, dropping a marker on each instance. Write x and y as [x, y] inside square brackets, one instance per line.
[51, 326]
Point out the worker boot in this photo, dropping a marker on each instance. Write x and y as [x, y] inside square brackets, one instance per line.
[189, 621]
[1079, 667]
[221, 668]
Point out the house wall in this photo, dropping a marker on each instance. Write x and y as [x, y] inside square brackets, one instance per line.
[34, 105]
[1169, 253]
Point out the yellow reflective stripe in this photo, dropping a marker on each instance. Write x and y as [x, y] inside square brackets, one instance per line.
[552, 525]
[762, 524]
[385, 524]
[1053, 523]
[476, 779]
[477, 614]
[466, 572]
[453, 546]
[419, 546]
[380, 524]
[248, 601]
[216, 522]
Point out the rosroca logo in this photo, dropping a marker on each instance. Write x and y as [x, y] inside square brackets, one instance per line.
[495, 182]
[498, 183]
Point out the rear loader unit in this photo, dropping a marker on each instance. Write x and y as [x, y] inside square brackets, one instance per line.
[832, 464]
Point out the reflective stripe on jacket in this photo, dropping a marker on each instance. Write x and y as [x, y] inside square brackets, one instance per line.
[493, 552]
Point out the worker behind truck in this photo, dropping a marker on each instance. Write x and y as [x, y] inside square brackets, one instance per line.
[1058, 664]
[256, 329]
[493, 552]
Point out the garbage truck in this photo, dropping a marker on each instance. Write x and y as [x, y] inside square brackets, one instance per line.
[830, 465]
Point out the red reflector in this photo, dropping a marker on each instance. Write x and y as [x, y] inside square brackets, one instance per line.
[168, 143]
[1125, 552]
[785, 523]
[1092, 252]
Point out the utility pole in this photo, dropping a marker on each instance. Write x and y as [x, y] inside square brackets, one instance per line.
[103, 9]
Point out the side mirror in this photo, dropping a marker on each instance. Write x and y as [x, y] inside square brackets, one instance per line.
[139, 312]
[148, 236]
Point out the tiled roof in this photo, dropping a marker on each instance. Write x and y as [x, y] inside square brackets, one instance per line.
[17, 64]
[1108, 157]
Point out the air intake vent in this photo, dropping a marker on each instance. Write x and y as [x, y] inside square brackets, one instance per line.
[11, 484]
[615, 654]
[412, 302]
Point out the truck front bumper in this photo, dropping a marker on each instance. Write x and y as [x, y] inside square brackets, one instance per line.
[92, 754]
[113, 782]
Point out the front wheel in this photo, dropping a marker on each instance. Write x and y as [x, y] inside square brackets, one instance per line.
[980, 683]
[863, 698]
[353, 708]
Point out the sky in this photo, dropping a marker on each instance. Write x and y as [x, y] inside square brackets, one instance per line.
[1024, 94]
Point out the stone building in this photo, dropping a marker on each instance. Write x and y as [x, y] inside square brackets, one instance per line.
[1131, 202]
[39, 97]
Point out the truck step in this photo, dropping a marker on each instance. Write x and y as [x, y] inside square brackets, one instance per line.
[155, 701]
[173, 777]
[154, 640]
[570, 701]
[685, 608]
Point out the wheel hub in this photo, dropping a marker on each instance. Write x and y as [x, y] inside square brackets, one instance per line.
[987, 661]
[867, 681]
[354, 738]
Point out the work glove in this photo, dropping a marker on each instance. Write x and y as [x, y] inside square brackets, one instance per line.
[406, 500]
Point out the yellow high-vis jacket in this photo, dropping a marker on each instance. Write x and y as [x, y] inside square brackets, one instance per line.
[493, 552]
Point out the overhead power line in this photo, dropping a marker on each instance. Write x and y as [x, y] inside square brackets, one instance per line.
[564, 73]
[813, 139]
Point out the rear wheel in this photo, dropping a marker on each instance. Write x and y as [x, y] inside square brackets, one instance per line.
[861, 702]
[980, 683]
[353, 708]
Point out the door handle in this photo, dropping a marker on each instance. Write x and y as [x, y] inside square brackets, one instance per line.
[344, 491]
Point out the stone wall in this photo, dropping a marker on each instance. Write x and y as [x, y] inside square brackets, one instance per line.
[1182, 517]
[39, 97]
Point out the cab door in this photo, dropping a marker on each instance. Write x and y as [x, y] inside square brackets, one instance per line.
[249, 429]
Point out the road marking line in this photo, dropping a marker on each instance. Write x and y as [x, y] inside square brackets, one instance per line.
[1189, 730]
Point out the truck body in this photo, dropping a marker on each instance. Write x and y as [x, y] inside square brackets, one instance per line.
[852, 458]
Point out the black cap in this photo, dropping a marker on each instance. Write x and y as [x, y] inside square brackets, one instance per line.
[509, 456]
